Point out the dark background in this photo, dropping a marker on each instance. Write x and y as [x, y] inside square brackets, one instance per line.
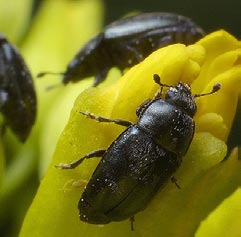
[209, 14]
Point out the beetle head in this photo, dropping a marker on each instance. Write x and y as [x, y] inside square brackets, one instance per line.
[89, 61]
[180, 95]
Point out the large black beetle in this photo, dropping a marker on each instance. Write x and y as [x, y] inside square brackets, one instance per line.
[128, 41]
[17, 93]
[142, 159]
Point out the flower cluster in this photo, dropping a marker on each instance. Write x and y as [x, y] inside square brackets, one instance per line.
[208, 203]
[204, 181]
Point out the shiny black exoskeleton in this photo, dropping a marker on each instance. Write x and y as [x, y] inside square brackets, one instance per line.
[142, 159]
[17, 93]
[127, 42]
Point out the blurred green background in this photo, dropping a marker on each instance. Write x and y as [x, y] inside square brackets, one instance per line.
[211, 15]
[16, 19]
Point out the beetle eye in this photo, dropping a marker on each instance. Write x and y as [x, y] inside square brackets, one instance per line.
[174, 89]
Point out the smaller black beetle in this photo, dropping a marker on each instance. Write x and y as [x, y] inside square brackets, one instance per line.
[142, 159]
[17, 93]
[127, 42]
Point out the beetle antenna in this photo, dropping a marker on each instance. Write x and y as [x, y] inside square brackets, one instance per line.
[157, 80]
[42, 74]
[216, 87]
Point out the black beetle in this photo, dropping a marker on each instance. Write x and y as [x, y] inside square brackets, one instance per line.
[128, 41]
[142, 159]
[17, 93]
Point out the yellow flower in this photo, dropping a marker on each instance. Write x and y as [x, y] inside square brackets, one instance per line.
[204, 181]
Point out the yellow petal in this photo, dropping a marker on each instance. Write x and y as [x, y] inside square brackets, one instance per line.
[222, 65]
[224, 102]
[225, 218]
[213, 123]
[214, 44]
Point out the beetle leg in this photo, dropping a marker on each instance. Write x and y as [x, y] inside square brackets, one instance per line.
[100, 76]
[132, 220]
[142, 107]
[157, 80]
[107, 120]
[134, 54]
[174, 180]
[97, 153]
[158, 94]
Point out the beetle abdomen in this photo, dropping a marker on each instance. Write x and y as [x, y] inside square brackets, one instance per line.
[145, 22]
[131, 39]
[130, 173]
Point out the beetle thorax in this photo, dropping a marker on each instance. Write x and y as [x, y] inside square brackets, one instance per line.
[168, 124]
